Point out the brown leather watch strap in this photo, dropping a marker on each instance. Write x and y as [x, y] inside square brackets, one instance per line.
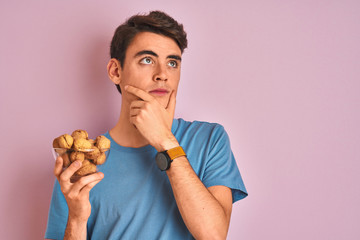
[176, 152]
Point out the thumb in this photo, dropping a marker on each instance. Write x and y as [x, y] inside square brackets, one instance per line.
[171, 105]
[58, 167]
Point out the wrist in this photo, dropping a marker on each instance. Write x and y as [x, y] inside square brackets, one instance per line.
[167, 143]
[77, 220]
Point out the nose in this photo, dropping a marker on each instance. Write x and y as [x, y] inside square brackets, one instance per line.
[160, 73]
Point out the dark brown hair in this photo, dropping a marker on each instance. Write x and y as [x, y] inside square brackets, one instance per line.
[156, 22]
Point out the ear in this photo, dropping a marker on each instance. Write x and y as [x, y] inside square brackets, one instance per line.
[114, 70]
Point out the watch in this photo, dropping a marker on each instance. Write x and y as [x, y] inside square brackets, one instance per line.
[164, 159]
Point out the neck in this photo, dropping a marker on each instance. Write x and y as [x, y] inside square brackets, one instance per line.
[125, 133]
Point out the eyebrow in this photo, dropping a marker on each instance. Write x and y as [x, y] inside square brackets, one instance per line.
[177, 57]
[149, 52]
[146, 52]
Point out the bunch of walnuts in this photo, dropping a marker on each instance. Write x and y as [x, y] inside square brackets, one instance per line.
[78, 146]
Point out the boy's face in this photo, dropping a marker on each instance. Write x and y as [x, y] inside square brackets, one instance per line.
[152, 63]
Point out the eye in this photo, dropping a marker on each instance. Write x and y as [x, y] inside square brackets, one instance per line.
[173, 64]
[146, 60]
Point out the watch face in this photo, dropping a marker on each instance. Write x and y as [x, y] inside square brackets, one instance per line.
[162, 161]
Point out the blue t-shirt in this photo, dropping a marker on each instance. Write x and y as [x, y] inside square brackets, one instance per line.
[135, 199]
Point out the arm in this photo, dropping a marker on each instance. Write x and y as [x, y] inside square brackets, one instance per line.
[205, 211]
[77, 198]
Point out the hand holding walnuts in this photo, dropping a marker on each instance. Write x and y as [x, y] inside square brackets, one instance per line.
[76, 193]
[78, 146]
[75, 170]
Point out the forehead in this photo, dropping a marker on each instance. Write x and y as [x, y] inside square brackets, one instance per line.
[157, 43]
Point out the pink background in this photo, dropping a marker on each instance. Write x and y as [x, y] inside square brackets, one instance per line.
[281, 76]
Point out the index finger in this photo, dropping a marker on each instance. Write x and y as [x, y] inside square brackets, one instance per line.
[171, 104]
[139, 93]
[69, 171]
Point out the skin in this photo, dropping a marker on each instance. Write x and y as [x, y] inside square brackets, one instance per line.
[152, 61]
[77, 197]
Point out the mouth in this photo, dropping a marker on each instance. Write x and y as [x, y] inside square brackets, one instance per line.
[159, 92]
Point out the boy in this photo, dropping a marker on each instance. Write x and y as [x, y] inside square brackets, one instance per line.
[164, 178]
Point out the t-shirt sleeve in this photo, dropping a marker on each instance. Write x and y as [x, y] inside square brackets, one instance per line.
[221, 167]
[58, 214]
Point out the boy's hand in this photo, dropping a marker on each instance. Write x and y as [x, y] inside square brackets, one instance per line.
[76, 194]
[153, 120]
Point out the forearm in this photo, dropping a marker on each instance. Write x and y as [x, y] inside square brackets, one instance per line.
[202, 213]
[75, 230]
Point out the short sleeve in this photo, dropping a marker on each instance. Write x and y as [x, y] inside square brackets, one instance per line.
[221, 167]
[58, 214]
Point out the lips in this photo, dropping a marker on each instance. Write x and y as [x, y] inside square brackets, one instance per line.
[159, 91]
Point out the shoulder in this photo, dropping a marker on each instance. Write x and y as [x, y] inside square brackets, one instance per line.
[200, 130]
[181, 124]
